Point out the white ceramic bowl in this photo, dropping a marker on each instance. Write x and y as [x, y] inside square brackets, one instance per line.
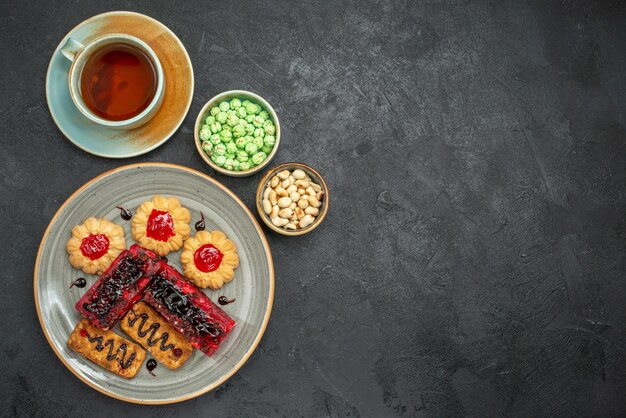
[231, 94]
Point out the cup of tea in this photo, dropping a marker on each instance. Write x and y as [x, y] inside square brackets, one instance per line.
[115, 80]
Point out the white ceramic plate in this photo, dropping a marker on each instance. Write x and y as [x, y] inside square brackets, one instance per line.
[252, 287]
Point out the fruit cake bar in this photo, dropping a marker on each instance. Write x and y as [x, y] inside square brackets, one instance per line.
[188, 309]
[119, 287]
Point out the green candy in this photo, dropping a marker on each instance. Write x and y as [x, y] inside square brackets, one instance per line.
[215, 139]
[209, 120]
[226, 136]
[269, 128]
[244, 165]
[230, 112]
[242, 156]
[245, 103]
[220, 160]
[259, 157]
[269, 140]
[251, 148]
[207, 147]
[214, 110]
[235, 104]
[231, 148]
[252, 109]
[266, 149]
[219, 149]
[241, 112]
[258, 121]
[233, 120]
[239, 131]
[250, 119]
[215, 127]
[264, 115]
[228, 164]
[241, 142]
[221, 117]
[259, 132]
[258, 141]
[232, 156]
[236, 165]
[224, 106]
[205, 133]
[242, 122]
[249, 128]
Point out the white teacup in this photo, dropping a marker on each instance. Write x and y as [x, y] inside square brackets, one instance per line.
[79, 54]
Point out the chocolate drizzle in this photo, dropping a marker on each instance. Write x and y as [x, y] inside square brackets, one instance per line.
[174, 300]
[80, 282]
[223, 300]
[200, 224]
[112, 355]
[151, 365]
[152, 329]
[110, 291]
[125, 214]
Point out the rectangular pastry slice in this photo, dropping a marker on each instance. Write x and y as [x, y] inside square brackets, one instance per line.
[119, 287]
[107, 349]
[154, 334]
[188, 310]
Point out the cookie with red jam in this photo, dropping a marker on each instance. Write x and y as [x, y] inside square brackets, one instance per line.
[161, 225]
[95, 244]
[209, 259]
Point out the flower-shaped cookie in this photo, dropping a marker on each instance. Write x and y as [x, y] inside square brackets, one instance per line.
[95, 244]
[209, 259]
[161, 224]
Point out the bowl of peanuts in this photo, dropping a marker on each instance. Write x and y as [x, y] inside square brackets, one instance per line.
[292, 199]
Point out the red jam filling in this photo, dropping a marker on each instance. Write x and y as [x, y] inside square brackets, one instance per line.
[94, 246]
[160, 226]
[208, 258]
[83, 333]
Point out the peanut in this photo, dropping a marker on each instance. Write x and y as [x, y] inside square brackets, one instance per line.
[303, 203]
[267, 206]
[306, 221]
[312, 211]
[284, 202]
[285, 213]
[298, 174]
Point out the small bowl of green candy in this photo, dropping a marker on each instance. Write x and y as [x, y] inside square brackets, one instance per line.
[237, 133]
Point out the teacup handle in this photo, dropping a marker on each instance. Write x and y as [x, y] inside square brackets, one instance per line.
[71, 49]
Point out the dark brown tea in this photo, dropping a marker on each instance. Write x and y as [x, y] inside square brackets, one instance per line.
[118, 82]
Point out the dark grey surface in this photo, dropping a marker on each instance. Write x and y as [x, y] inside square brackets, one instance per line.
[472, 263]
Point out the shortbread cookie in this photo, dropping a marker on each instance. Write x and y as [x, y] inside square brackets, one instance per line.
[152, 331]
[95, 244]
[107, 349]
[209, 259]
[161, 225]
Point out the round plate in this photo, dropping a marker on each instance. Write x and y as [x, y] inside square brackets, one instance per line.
[112, 143]
[252, 287]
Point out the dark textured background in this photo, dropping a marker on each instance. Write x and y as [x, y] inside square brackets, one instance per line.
[473, 260]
